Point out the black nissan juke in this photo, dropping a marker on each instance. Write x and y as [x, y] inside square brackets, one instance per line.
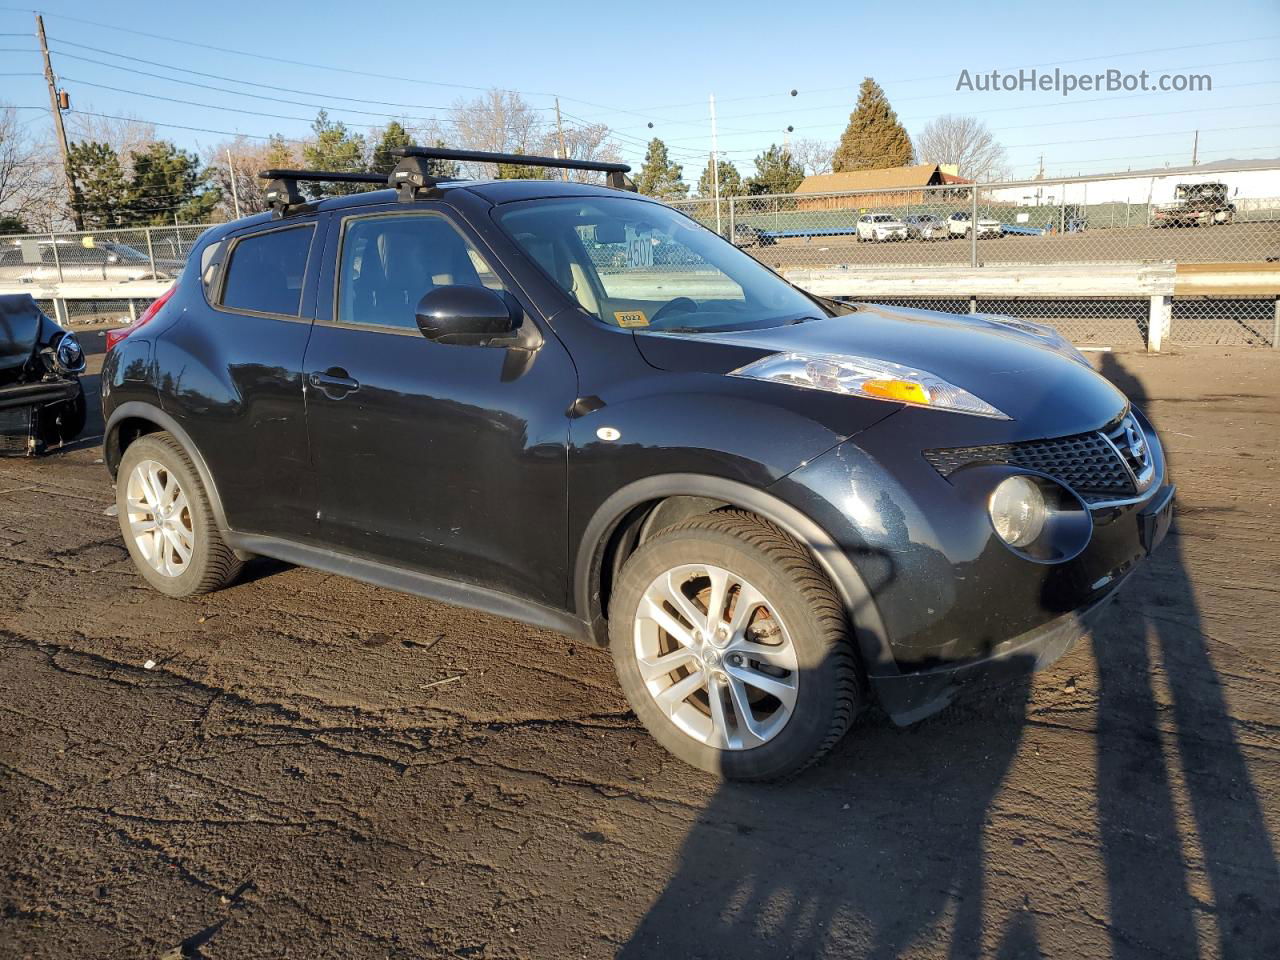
[573, 406]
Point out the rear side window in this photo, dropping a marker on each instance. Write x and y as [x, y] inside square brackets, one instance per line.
[266, 270]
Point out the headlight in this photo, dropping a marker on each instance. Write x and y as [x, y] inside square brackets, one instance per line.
[1017, 511]
[868, 377]
[69, 355]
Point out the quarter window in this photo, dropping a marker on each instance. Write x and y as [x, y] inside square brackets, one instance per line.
[266, 271]
[390, 263]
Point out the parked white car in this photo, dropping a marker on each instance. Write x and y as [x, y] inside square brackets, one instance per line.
[881, 226]
[958, 224]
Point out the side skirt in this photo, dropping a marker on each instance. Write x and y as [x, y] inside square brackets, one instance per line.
[410, 581]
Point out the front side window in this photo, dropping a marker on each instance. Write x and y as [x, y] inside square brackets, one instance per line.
[389, 263]
[266, 272]
[634, 263]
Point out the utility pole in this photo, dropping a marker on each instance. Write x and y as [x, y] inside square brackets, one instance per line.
[59, 129]
[1195, 148]
[564, 151]
[715, 161]
[235, 193]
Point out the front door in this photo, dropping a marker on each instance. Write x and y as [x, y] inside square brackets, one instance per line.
[445, 458]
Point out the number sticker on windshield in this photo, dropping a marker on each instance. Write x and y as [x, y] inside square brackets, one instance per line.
[631, 318]
[639, 249]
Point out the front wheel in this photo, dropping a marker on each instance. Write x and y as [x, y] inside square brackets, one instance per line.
[733, 648]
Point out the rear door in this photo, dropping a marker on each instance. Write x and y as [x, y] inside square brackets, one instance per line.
[232, 373]
[445, 458]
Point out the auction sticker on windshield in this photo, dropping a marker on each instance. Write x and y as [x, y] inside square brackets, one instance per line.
[639, 249]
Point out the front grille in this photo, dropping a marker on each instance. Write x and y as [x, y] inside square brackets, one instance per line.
[17, 428]
[1087, 462]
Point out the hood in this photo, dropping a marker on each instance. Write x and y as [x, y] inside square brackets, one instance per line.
[1026, 370]
[23, 328]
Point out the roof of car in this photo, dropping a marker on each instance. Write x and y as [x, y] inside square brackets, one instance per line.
[494, 191]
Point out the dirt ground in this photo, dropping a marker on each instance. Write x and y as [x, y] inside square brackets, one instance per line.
[304, 766]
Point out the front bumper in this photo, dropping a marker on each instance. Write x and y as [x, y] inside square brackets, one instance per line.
[26, 412]
[910, 697]
[950, 600]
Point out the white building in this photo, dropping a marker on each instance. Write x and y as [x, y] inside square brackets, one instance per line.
[1245, 180]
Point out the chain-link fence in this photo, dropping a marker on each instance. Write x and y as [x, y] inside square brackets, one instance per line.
[876, 242]
[96, 256]
[1024, 223]
[873, 243]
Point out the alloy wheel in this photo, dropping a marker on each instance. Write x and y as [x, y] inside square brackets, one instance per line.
[715, 657]
[159, 518]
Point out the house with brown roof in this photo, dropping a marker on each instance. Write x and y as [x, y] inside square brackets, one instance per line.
[900, 185]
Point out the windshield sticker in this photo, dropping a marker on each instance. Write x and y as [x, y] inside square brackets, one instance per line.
[631, 318]
[639, 249]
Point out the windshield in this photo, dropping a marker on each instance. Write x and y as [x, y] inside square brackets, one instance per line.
[633, 263]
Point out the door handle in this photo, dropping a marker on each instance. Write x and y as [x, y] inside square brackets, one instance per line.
[334, 383]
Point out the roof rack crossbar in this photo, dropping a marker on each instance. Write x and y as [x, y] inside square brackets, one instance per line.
[616, 171]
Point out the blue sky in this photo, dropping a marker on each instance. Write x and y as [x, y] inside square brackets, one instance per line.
[631, 65]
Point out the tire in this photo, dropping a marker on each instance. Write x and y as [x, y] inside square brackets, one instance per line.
[158, 462]
[796, 620]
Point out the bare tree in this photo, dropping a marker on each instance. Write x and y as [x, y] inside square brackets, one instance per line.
[965, 142]
[500, 121]
[248, 158]
[813, 155]
[31, 190]
[126, 137]
[588, 142]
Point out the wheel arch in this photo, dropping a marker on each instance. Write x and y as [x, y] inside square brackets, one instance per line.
[135, 419]
[645, 506]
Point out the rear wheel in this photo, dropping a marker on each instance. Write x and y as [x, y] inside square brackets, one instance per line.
[167, 521]
[733, 648]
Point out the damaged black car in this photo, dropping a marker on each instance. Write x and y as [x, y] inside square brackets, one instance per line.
[42, 402]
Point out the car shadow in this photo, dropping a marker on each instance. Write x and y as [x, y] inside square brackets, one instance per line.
[882, 848]
[1153, 907]
[865, 855]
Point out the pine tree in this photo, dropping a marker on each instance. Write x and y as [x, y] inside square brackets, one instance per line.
[393, 136]
[279, 155]
[168, 181]
[776, 172]
[334, 148]
[444, 169]
[101, 190]
[730, 181]
[518, 171]
[659, 176]
[874, 138]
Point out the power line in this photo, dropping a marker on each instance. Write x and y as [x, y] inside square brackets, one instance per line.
[946, 76]
[256, 113]
[218, 76]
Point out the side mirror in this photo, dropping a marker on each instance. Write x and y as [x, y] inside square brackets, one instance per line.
[474, 316]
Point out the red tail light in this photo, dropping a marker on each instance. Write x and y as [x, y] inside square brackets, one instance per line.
[115, 336]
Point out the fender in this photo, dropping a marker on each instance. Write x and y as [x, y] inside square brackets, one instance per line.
[140, 410]
[869, 631]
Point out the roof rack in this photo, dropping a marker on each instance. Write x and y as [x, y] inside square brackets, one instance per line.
[616, 173]
[413, 177]
[282, 193]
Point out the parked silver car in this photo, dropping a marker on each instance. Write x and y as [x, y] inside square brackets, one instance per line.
[29, 260]
[925, 226]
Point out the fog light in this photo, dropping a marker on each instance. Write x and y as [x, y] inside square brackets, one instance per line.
[1017, 511]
